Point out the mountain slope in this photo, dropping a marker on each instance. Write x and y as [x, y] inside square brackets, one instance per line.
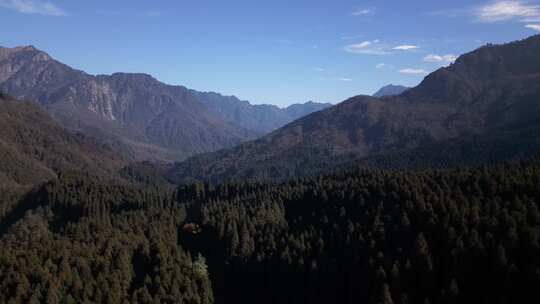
[258, 118]
[490, 90]
[390, 90]
[155, 120]
[34, 148]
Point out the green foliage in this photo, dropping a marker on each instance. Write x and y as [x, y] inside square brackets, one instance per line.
[453, 236]
[87, 240]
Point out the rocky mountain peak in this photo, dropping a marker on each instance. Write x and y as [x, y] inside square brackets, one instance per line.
[155, 120]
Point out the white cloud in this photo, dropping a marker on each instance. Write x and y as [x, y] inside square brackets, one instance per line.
[33, 7]
[381, 66]
[376, 47]
[364, 44]
[508, 10]
[535, 27]
[406, 47]
[413, 71]
[450, 58]
[362, 12]
[319, 69]
[344, 79]
[367, 47]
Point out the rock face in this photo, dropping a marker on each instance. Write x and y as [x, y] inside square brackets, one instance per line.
[153, 120]
[488, 91]
[258, 118]
[390, 90]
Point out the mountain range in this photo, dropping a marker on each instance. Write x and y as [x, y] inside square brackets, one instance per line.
[261, 119]
[487, 96]
[490, 91]
[147, 118]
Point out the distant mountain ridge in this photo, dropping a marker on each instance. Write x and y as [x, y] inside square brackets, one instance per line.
[149, 119]
[492, 90]
[262, 118]
[390, 90]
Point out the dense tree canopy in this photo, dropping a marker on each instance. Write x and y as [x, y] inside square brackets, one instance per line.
[357, 236]
[83, 240]
[454, 236]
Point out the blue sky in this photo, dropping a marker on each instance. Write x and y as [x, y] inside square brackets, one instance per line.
[279, 51]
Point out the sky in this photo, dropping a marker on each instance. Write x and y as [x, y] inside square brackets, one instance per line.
[278, 52]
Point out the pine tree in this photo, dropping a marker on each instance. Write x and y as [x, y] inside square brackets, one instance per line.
[385, 296]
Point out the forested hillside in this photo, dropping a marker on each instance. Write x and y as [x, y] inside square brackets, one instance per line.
[86, 240]
[488, 93]
[359, 236]
[79, 226]
[34, 148]
[455, 236]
